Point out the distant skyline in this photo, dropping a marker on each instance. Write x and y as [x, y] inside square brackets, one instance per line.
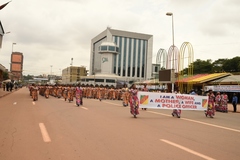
[50, 33]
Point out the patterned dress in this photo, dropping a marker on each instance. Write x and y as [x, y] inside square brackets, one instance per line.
[78, 95]
[134, 102]
[224, 102]
[211, 105]
[218, 106]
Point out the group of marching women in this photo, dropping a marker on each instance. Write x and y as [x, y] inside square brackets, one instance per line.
[68, 92]
[221, 102]
[128, 96]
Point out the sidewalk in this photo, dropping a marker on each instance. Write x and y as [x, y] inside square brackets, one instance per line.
[230, 108]
[5, 93]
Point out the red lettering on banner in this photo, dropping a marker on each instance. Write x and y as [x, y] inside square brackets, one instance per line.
[184, 97]
[189, 106]
[166, 101]
[171, 106]
[188, 102]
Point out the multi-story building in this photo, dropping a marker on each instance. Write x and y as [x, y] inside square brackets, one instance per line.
[134, 61]
[73, 74]
[16, 65]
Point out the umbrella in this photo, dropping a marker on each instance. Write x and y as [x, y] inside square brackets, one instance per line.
[8, 80]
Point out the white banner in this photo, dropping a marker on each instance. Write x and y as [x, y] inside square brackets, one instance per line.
[172, 101]
[223, 88]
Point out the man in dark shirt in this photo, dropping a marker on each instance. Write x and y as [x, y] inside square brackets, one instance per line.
[234, 102]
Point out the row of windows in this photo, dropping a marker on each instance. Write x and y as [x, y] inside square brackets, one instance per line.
[109, 48]
[134, 53]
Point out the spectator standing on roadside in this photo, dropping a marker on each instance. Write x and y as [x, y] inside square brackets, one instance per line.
[8, 86]
[4, 86]
[11, 86]
[234, 102]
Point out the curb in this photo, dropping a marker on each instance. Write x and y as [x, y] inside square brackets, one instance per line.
[6, 94]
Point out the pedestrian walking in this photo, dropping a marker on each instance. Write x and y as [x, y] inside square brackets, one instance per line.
[234, 102]
[211, 105]
[7, 86]
[78, 95]
[134, 102]
[4, 86]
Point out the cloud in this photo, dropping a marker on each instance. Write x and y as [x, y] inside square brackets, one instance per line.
[53, 32]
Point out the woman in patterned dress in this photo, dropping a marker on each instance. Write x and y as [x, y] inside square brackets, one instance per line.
[134, 102]
[78, 95]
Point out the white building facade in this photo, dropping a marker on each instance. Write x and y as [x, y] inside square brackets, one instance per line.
[134, 58]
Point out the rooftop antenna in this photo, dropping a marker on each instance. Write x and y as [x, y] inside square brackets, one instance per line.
[71, 62]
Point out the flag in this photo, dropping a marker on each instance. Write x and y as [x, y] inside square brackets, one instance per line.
[2, 6]
[144, 99]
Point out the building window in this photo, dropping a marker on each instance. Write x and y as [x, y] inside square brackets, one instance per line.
[156, 68]
[99, 80]
[111, 48]
[110, 80]
[103, 48]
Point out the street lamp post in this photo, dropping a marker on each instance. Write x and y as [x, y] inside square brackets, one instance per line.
[173, 54]
[51, 69]
[12, 46]
[51, 73]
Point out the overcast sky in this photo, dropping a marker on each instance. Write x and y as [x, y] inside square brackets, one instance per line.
[51, 32]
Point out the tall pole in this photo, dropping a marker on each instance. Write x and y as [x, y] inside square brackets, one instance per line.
[12, 46]
[51, 73]
[51, 69]
[12, 53]
[173, 54]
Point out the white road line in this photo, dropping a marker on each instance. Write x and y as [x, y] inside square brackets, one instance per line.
[84, 108]
[44, 132]
[208, 124]
[213, 125]
[112, 103]
[14, 103]
[187, 150]
[160, 113]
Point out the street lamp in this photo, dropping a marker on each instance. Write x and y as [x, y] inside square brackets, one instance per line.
[173, 54]
[51, 69]
[12, 46]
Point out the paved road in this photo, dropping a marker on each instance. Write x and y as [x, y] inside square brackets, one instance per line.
[52, 129]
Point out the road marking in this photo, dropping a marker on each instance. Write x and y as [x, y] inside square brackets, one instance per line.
[84, 108]
[160, 113]
[212, 125]
[44, 132]
[187, 150]
[112, 103]
[208, 124]
[14, 103]
[33, 103]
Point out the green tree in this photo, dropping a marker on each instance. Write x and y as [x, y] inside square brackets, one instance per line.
[5, 76]
[218, 64]
[202, 66]
[28, 77]
[232, 65]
